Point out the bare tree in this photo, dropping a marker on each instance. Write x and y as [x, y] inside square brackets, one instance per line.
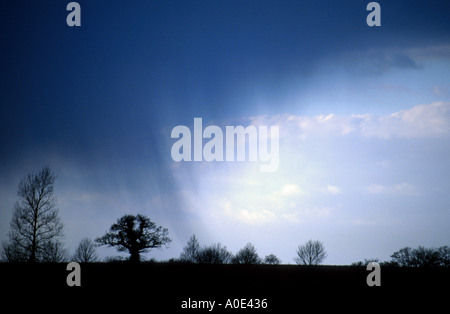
[214, 254]
[422, 257]
[35, 222]
[444, 255]
[246, 255]
[403, 257]
[86, 252]
[54, 252]
[311, 253]
[191, 251]
[366, 261]
[135, 234]
[271, 259]
[11, 253]
[425, 257]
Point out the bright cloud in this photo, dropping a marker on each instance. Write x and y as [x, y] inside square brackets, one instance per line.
[290, 190]
[282, 203]
[422, 121]
[332, 189]
[268, 215]
[263, 208]
[376, 189]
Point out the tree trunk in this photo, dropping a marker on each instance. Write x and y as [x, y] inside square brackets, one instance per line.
[135, 256]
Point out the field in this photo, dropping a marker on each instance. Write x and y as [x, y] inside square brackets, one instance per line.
[169, 286]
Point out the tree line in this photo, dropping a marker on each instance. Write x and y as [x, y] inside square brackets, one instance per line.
[218, 254]
[415, 257]
[36, 233]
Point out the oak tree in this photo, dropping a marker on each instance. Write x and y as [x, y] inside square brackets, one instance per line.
[135, 235]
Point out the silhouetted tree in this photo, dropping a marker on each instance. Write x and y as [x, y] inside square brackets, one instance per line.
[444, 256]
[114, 259]
[191, 251]
[271, 259]
[425, 257]
[35, 225]
[135, 234]
[246, 255]
[86, 252]
[403, 257]
[366, 261]
[311, 253]
[54, 252]
[214, 254]
[12, 253]
[422, 257]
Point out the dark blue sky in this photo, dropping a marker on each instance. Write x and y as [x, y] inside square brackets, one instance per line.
[156, 61]
[98, 102]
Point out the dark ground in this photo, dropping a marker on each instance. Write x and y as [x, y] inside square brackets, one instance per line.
[161, 288]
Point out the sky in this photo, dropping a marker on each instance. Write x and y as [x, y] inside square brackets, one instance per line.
[363, 115]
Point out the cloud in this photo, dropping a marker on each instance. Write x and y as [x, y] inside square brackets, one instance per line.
[441, 52]
[441, 90]
[308, 214]
[422, 121]
[265, 216]
[248, 216]
[290, 190]
[253, 217]
[306, 126]
[375, 62]
[283, 198]
[332, 189]
[280, 206]
[396, 189]
[376, 189]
